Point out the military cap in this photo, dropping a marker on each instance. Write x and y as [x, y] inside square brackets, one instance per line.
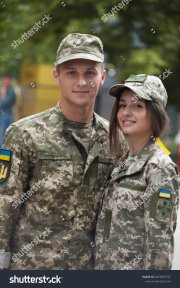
[144, 86]
[80, 46]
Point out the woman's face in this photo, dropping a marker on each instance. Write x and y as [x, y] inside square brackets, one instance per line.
[133, 116]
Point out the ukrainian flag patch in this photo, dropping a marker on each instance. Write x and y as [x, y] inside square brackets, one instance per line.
[5, 164]
[5, 154]
[165, 193]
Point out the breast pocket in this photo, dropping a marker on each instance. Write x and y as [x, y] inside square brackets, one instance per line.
[51, 189]
[57, 168]
[128, 196]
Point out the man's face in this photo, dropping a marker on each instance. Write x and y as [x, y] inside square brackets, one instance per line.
[79, 81]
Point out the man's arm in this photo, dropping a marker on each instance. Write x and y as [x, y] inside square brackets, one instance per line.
[11, 187]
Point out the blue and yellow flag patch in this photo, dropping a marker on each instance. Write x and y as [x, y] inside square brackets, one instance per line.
[5, 155]
[165, 193]
[5, 164]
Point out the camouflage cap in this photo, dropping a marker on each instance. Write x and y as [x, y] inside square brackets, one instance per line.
[80, 46]
[145, 86]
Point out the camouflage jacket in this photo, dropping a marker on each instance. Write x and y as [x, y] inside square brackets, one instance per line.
[49, 203]
[138, 213]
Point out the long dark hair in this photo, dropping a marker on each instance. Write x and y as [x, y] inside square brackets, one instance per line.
[158, 117]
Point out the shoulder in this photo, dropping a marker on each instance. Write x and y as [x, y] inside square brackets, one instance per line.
[31, 120]
[101, 122]
[42, 116]
[160, 162]
[160, 158]
[25, 124]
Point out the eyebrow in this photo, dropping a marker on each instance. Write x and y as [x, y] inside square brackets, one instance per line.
[74, 68]
[138, 99]
[91, 68]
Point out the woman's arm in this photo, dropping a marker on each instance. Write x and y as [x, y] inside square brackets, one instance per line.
[160, 216]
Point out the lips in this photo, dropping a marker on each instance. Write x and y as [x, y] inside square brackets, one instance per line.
[129, 122]
[81, 92]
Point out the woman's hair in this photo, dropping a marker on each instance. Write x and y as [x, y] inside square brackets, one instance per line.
[158, 117]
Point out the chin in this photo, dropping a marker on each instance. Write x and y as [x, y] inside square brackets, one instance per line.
[79, 100]
[127, 131]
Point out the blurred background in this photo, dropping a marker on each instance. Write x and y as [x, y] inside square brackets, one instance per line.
[139, 36]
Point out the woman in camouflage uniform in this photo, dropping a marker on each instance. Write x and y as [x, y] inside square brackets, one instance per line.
[139, 209]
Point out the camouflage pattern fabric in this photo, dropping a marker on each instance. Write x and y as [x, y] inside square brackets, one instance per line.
[137, 221]
[80, 46]
[49, 203]
[144, 86]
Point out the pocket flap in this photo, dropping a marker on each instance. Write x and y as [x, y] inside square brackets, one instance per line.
[106, 160]
[53, 157]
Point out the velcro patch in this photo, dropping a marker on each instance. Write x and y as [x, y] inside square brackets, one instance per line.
[164, 209]
[137, 78]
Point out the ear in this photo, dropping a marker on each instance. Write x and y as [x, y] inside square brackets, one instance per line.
[56, 75]
[103, 77]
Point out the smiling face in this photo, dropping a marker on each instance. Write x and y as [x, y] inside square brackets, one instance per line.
[132, 116]
[79, 81]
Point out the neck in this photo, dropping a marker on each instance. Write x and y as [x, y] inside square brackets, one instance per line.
[137, 144]
[76, 113]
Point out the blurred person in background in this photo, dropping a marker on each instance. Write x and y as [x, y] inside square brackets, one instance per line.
[7, 102]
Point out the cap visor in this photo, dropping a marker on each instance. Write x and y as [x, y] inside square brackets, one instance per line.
[117, 89]
[79, 56]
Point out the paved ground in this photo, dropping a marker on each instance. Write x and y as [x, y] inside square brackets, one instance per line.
[176, 262]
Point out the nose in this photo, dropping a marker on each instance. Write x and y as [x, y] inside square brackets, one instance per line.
[81, 81]
[127, 111]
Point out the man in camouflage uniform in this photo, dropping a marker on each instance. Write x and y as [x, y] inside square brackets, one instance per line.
[53, 169]
[139, 210]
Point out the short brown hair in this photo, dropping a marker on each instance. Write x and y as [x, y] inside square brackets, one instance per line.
[158, 117]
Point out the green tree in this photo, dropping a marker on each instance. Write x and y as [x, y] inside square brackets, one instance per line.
[142, 37]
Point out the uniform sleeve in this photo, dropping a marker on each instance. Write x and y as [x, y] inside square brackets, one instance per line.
[160, 216]
[11, 187]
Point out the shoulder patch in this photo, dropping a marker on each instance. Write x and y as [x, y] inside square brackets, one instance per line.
[165, 193]
[5, 164]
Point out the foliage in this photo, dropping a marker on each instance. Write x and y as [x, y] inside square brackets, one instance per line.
[142, 37]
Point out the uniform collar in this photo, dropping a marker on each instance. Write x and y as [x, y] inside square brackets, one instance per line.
[133, 164]
[98, 122]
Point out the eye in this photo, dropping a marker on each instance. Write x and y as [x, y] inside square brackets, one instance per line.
[90, 73]
[139, 106]
[71, 73]
[122, 106]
